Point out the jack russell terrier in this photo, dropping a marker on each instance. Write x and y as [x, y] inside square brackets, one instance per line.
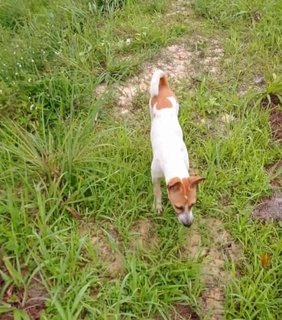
[170, 156]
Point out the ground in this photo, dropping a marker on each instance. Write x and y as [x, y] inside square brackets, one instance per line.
[79, 237]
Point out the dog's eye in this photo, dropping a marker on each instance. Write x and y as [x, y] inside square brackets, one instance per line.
[179, 208]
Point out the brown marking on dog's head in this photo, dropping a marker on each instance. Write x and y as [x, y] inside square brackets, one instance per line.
[182, 194]
[161, 100]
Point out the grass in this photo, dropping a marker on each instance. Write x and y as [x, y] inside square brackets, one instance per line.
[67, 179]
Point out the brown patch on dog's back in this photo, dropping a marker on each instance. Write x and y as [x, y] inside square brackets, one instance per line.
[161, 101]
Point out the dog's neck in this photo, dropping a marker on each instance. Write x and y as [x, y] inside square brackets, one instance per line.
[177, 169]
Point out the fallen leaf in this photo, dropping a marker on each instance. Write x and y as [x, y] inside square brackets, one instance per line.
[73, 212]
[265, 260]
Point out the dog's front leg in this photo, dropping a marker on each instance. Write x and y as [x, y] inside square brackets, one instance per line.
[156, 173]
[157, 195]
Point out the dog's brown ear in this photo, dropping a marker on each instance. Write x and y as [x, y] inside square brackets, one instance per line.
[195, 180]
[174, 184]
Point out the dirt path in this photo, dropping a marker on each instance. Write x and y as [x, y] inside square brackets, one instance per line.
[214, 256]
[181, 61]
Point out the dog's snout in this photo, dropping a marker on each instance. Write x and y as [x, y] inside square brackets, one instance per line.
[186, 219]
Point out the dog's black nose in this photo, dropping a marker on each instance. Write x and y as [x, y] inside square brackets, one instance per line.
[187, 225]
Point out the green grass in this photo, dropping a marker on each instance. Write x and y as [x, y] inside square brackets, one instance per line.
[54, 157]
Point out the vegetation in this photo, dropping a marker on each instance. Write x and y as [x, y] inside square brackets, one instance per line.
[76, 192]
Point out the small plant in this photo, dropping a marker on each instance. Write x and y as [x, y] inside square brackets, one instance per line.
[271, 95]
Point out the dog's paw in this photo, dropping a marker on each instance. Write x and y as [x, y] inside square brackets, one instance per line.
[159, 208]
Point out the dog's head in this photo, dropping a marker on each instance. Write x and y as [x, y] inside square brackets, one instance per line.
[182, 195]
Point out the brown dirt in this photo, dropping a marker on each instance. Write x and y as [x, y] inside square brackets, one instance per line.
[32, 300]
[182, 312]
[214, 257]
[276, 123]
[107, 243]
[272, 101]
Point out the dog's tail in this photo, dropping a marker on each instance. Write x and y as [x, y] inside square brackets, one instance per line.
[158, 78]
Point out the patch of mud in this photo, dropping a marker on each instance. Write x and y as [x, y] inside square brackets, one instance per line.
[272, 103]
[108, 246]
[144, 235]
[214, 257]
[276, 123]
[270, 209]
[183, 312]
[31, 300]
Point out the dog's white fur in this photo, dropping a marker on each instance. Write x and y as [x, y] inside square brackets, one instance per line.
[170, 156]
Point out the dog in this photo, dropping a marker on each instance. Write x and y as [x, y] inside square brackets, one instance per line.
[170, 155]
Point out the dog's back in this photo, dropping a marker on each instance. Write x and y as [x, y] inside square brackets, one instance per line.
[166, 133]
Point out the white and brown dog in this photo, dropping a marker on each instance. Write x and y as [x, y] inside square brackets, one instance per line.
[170, 156]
